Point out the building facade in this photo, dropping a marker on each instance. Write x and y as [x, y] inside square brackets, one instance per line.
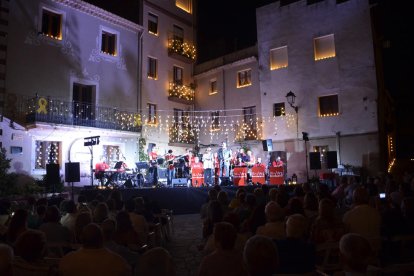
[71, 73]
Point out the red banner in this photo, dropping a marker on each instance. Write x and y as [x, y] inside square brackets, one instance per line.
[240, 176]
[258, 175]
[276, 176]
[197, 177]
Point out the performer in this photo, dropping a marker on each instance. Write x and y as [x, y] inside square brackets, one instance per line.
[250, 159]
[208, 166]
[277, 163]
[259, 163]
[153, 170]
[224, 156]
[100, 169]
[153, 155]
[169, 159]
[189, 158]
[216, 164]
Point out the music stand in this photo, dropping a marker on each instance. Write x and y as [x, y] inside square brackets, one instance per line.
[118, 165]
[142, 166]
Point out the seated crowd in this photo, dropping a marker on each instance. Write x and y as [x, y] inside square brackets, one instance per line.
[289, 229]
[262, 231]
[100, 237]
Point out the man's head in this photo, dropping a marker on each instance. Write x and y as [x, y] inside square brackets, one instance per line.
[278, 158]
[259, 160]
[224, 145]
[196, 159]
[169, 151]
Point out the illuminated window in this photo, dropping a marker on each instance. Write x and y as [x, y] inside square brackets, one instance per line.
[178, 34]
[328, 106]
[178, 75]
[324, 47]
[184, 5]
[249, 126]
[51, 24]
[244, 78]
[47, 152]
[108, 43]
[152, 24]
[278, 109]
[278, 58]
[213, 87]
[152, 68]
[215, 120]
[152, 114]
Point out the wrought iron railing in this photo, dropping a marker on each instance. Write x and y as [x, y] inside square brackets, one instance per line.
[57, 111]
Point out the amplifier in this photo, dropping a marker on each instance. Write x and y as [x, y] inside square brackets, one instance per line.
[179, 182]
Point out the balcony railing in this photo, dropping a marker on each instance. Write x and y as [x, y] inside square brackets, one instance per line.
[182, 133]
[184, 51]
[51, 110]
[181, 93]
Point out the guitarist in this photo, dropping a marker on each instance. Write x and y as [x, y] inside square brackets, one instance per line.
[169, 159]
[224, 156]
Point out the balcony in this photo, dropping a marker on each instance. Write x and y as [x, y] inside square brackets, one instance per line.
[55, 111]
[181, 93]
[180, 50]
[182, 134]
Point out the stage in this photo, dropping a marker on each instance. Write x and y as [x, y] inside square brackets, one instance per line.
[182, 200]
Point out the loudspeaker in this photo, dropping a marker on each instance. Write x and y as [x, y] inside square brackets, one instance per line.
[179, 182]
[52, 174]
[128, 184]
[72, 172]
[225, 181]
[315, 160]
[332, 160]
[267, 145]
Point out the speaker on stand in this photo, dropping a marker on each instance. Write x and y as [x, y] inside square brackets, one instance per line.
[72, 174]
[52, 176]
[315, 161]
[332, 160]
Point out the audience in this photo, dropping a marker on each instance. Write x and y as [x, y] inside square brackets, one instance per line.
[261, 256]
[224, 260]
[93, 258]
[6, 260]
[275, 226]
[156, 262]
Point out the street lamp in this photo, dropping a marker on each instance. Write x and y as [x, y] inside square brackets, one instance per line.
[291, 97]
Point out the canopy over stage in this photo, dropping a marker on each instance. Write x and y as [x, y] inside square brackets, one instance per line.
[182, 200]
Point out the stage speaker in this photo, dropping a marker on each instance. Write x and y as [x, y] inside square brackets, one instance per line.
[332, 160]
[315, 160]
[128, 184]
[267, 145]
[225, 181]
[72, 172]
[52, 174]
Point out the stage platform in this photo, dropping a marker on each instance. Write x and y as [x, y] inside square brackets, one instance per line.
[182, 200]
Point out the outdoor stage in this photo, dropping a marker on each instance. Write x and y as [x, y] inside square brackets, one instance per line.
[182, 200]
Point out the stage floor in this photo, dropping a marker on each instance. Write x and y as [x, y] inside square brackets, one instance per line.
[182, 200]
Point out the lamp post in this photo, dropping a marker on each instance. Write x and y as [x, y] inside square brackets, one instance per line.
[291, 97]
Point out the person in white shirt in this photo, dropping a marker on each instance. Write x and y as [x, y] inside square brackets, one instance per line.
[208, 167]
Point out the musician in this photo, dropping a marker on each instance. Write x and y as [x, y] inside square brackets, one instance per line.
[169, 159]
[208, 166]
[241, 155]
[259, 163]
[188, 158]
[224, 156]
[278, 162]
[216, 164]
[153, 155]
[100, 169]
[250, 159]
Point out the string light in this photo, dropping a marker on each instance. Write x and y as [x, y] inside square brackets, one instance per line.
[182, 48]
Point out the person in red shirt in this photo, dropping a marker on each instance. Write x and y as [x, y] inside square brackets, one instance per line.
[100, 169]
[277, 163]
[169, 159]
[259, 163]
